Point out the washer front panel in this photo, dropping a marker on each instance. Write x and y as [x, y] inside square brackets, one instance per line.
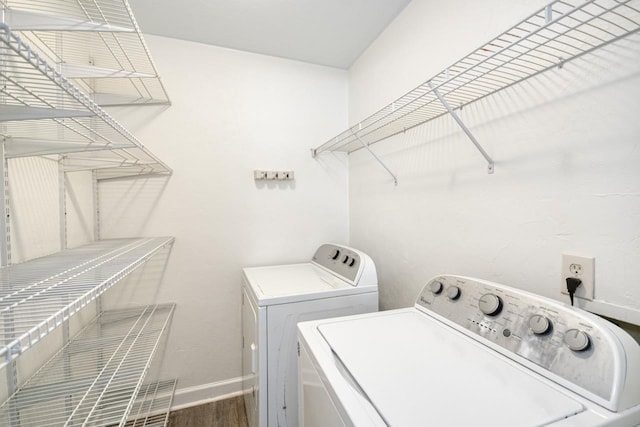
[553, 336]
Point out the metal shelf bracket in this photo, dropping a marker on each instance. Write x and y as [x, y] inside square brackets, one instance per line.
[463, 127]
[315, 153]
[366, 146]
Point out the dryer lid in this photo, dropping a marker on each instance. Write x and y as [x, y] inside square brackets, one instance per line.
[417, 371]
[296, 282]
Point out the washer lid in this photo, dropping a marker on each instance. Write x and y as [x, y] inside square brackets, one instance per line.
[417, 371]
[282, 284]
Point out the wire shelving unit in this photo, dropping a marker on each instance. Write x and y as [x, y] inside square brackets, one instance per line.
[96, 377]
[44, 113]
[555, 34]
[38, 296]
[151, 408]
[96, 43]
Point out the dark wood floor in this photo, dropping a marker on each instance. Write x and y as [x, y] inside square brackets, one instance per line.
[224, 413]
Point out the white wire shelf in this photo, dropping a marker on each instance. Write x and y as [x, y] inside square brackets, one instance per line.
[38, 296]
[43, 113]
[152, 406]
[97, 44]
[557, 33]
[95, 379]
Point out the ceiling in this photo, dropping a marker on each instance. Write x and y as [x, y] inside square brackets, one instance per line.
[325, 32]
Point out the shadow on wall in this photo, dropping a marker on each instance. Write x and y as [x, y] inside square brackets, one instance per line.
[280, 185]
[126, 206]
[34, 203]
[142, 287]
[514, 125]
[83, 219]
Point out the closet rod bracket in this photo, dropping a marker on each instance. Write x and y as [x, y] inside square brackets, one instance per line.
[463, 127]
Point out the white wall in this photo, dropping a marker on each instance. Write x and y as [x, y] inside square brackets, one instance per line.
[232, 112]
[80, 209]
[35, 207]
[567, 175]
[34, 204]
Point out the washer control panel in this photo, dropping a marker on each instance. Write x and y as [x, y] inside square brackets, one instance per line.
[343, 261]
[564, 341]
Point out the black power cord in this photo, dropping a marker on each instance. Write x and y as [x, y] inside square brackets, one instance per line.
[572, 285]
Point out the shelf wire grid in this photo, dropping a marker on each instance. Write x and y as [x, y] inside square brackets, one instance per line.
[153, 404]
[113, 61]
[557, 33]
[43, 113]
[94, 379]
[38, 296]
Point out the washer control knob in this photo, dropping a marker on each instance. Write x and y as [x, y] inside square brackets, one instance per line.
[539, 324]
[346, 259]
[490, 304]
[453, 292]
[576, 340]
[335, 254]
[436, 287]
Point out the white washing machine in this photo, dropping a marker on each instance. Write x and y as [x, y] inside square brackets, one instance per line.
[469, 353]
[338, 281]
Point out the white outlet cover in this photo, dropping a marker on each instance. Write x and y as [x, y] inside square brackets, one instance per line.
[588, 275]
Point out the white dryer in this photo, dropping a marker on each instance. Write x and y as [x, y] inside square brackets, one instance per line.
[338, 281]
[469, 353]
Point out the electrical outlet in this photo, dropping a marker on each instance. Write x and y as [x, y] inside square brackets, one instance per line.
[582, 268]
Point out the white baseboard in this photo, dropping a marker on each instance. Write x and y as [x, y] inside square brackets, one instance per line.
[205, 393]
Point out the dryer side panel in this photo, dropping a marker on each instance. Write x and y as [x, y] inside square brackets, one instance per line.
[282, 357]
[254, 374]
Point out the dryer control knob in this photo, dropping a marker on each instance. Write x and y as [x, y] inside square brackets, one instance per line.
[335, 254]
[539, 324]
[453, 292]
[490, 304]
[576, 340]
[436, 287]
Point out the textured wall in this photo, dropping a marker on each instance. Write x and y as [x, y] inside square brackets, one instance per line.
[232, 112]
[567, 150]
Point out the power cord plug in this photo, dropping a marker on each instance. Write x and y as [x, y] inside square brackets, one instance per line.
[572, 285]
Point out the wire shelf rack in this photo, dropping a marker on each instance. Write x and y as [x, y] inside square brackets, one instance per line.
[95, 378]
[152, 406]
[97, 44]
[557, 33]
[38, 296]
[43, 113]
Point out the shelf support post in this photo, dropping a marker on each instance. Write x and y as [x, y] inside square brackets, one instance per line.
[463, 127]
[96, 206]
[5, 218]
[366, 146]
[62, 200]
